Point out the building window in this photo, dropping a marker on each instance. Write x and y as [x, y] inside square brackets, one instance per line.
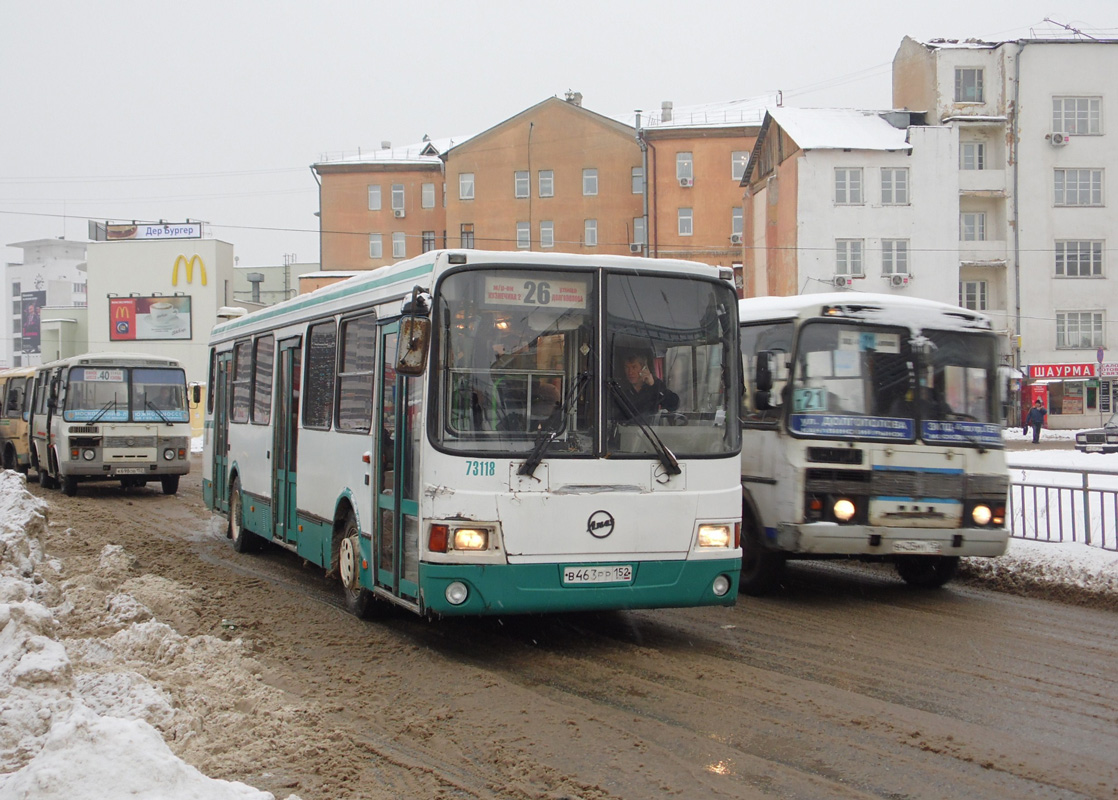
[684, 166]
[547, 183]
[972, 295]
[894, 187]
[848, 187]
[1080, 116]
[590, 233]
[1079, 259]
[547, 234]
[397, 197]
[466, 235]
[736, 221]
[466, 186]
[972, 155]
[374, 198]
[523, 235]
[637, 179]
[428, 241]
[686, 221]
[968, 85]
[1078, 187]
[1079, 329]
[738, 161]
[894, 256]
[590, 182]
[376, 245]
[848, 257]
[427, 199]
[399, 245]
[972, 226]
[520, 183]
[639, 231]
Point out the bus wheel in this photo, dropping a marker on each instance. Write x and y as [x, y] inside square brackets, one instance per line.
[761, 568]
[345, 562]
[45, 480]
[69, 485]
[927, 572]
[9, 458]
[170, 484]
[244, 541]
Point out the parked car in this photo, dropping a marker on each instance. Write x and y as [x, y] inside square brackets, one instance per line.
[1099, 440]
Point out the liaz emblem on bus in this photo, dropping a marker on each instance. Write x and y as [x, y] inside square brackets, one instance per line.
[518, 292]
[106, 375]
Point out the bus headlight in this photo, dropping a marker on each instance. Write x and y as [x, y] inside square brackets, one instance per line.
[981, 514]
[456, 593]
[844, 510]
[89, 455]
[471, 539]
[714, 535]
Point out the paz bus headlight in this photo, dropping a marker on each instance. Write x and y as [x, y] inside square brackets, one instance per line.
[844, 510]
[981, 514]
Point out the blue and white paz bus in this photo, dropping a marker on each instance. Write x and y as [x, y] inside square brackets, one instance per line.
[871, 429]
[457, 434]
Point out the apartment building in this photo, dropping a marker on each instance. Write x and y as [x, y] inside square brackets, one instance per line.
[380, 207]
[52, 274]
[1033, 122]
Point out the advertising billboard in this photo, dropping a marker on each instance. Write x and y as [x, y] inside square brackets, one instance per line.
[149, 318]
[30, 307]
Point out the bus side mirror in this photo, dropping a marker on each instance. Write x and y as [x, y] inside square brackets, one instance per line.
[196, 393]
[763, 380]
[413, 345]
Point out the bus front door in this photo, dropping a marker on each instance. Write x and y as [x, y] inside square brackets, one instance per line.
[396, 527]
[285, 447]
[222, 382]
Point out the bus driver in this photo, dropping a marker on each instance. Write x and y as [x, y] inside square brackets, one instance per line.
[646, 393]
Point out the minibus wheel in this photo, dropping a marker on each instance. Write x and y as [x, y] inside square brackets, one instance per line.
[927, 572]
[761, 568]
[170, 484]
[69, 485]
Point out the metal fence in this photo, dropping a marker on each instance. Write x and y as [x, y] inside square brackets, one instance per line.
[1064, 504]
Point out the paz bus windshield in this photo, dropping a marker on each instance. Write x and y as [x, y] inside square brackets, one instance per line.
[120, 394]
[522, 355]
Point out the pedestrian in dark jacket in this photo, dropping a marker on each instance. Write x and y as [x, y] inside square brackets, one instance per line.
[1034, 419]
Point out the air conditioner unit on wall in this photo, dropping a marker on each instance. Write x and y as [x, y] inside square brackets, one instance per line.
[735, 238]
[636, 247]
[899, 280]
[841, 281]
[1058, 139]
[398, 213]
[686, 181]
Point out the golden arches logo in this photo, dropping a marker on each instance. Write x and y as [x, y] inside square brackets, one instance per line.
[188, 267]
[122, 312]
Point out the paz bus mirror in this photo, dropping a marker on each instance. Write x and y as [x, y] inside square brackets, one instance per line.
[196, 393]
[763, 380]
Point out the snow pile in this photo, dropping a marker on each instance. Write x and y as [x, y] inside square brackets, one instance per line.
[1063, 571]
[80, 724]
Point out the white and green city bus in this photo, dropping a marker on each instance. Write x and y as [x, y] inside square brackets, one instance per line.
[110, 416]
[871, 430]
[453, 434]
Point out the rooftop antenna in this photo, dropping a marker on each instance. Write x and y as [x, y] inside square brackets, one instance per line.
[1076, 31]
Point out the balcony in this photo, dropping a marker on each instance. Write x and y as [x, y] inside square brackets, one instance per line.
[982, 182]
[990, 253]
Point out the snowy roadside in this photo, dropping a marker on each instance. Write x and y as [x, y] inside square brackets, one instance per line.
[79, 720]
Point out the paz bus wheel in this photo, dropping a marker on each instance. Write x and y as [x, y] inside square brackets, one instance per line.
[927, 572]
[345, 563]
[69, 485]
[170, 484]
[761, 568]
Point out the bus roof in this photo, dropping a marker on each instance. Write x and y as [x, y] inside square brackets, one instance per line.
[113, 359]
[396, 281]
[884, 309]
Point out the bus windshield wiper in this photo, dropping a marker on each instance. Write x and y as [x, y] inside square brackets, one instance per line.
[545, 437]
[153, 407]
[667, 457]
[104, 409]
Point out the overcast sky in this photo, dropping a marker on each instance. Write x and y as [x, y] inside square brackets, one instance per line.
[215, 111]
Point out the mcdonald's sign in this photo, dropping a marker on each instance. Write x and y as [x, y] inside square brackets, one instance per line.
[188, 268]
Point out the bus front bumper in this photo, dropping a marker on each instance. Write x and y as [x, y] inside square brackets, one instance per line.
[540, 588]
[828, 538]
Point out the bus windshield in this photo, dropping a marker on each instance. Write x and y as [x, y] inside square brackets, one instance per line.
[522, 365]
[117, 394]
[958, 388]
[853, 379]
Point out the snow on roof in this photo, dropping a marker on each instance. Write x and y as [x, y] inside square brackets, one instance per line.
[726, 114]
[839, 129]
[915, 313]
[424, 152]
